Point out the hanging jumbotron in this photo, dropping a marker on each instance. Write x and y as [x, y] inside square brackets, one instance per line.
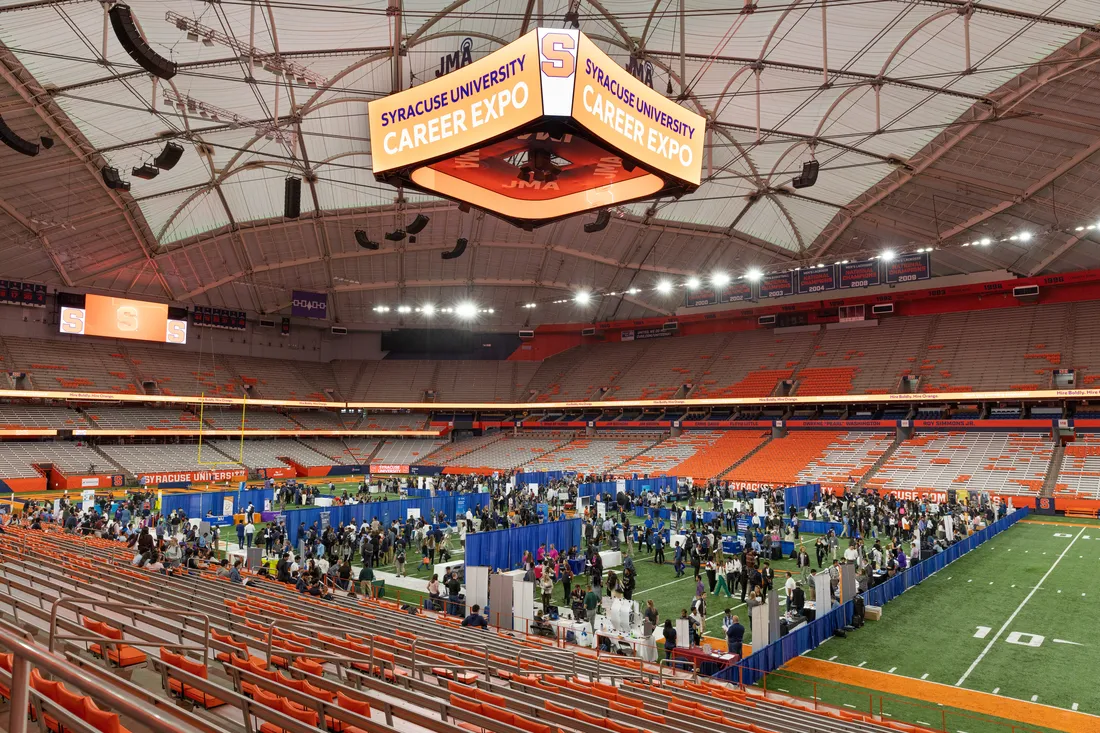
[543, 129]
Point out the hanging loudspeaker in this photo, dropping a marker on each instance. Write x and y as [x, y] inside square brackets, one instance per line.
[809, 175]
[364, 241]
[168, 157]
[292, 198]
[460, 247]
[122, 20]
[16, 143]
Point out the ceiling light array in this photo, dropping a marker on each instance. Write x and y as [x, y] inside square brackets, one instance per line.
[462, 310]
[280, 67]
[269, 129]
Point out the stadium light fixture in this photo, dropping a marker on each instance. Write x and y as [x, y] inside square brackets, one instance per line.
[1024, 236]
[633, 291]
[720, 279]
[466, 310]
[754, 275]
[693, 282]
[985, 242]
[427, 309]
[531, 305]
[404, 309]
[664, 287]
[582, 297]
[888, 255]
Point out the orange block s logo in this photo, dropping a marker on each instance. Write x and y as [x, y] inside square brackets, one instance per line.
[556, 48]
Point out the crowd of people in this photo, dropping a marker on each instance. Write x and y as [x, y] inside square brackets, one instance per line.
[716, 535]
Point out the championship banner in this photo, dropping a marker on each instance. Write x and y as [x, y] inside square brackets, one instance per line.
[817, 280]
[909, 268]
[778, 285]
[739, 291]
[862, 274]
[545, 128]
[304, 304]
[699, 297]
[640, 334]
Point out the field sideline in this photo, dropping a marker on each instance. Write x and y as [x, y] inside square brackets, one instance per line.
[1014, 620]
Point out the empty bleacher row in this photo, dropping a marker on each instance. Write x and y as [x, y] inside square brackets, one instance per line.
[1001, 463]
[592, 455]
[1079, 474]
[265, 658]
[846, 459]
[17, 459]
[664, 457]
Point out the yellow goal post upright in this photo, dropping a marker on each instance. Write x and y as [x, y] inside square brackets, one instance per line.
[202, 425]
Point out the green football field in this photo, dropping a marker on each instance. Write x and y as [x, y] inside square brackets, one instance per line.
[1015, 618]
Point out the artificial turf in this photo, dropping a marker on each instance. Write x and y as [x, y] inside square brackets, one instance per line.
[970, 624]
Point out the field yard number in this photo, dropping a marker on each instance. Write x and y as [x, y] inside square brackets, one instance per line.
[1020, 638]
[1062, 534]
[1017, 637]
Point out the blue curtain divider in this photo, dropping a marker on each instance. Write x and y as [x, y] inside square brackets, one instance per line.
[542, 477]
[770, 658]
[503, 549]
[637, 485]
[800, 496]
[196, 505]
[384, 511]
[814, 527]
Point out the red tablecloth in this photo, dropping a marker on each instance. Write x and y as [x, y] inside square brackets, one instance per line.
[704, 662]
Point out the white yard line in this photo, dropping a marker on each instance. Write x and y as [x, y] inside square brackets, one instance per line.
[1019, 608]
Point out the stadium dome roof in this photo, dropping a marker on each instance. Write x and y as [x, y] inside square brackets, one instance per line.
[934, 122]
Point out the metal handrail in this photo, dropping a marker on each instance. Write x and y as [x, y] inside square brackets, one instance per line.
[75, 605]
[25, 654]
[421, 641]
[675, 664]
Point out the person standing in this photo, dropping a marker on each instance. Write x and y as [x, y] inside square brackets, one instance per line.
[546, 585]
[566, 582]
[712, 575]
[789, 587]
[669, 634]
[249, 533]
[240, 533]
[735, 637]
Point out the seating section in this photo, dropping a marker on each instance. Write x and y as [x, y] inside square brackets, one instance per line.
[154, 458]
[17, 459]
[669, 453]
[782, 459]
[15, 415]
[453, 451]
[1005, 348]
[325, 420]
[231, 419]
[866, 359]
[284, 379]
[348, 452]
[593, 455]
[187, 373]
[1079, 475]
[846, 459]
[729, 448]
[76, 364]
[377, 421]
[507, 453]
[349, 665]
[405, 451]
[1002, 463]
[143, 418]
[266, 453]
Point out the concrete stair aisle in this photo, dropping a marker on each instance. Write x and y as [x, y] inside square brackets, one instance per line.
[108, 460]
[922, 350]
[648, 447]
[1050, 481]
[496, 439]
[747, 456]
[323, 455]
[818, 337]
[886, 454]
[135, 372]
[552, 450]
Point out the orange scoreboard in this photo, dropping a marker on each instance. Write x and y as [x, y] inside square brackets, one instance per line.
[123, 318]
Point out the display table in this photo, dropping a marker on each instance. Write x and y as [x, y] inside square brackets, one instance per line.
[611, 558]
[645, 648]
[444, 568]
[704, 662]
[576, 566]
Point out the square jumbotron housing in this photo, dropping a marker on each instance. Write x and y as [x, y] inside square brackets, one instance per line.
[545, 128]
